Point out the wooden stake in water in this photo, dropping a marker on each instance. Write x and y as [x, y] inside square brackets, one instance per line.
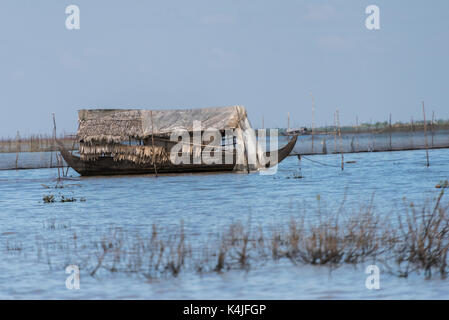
[425, 134]
[339, 135]
[18, 149]
[335, 133]
[73, 147]
[58, 164]
[53, 140]
[390, 133]
[431, 126]
[53, 147]
[313, 117]
[357, 132]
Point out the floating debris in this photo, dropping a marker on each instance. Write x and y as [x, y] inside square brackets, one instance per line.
[61, 186]
[7, 233]
[295, 176]
[49, 199]
[442, 184]
[64, 199]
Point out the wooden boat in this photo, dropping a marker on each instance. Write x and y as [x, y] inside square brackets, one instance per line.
[135, 141]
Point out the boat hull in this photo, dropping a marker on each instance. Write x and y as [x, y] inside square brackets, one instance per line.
[107, 165]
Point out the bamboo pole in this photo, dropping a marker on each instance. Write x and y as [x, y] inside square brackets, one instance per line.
[432, 126]
[54, 128]
[58, 164]
[339, 135]
[54, 138]
[425, 134]
[73, 147]
[391, 147]
[324, 145]
[67, 170]
[51, 146]
[18, 148]
[335, 133]
[313, 117]
[357, 132]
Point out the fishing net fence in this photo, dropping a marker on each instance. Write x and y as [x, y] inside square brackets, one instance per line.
[306, 145]
[370, 142]
[30, 160]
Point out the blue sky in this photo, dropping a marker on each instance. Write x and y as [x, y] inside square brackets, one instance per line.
[266, 55]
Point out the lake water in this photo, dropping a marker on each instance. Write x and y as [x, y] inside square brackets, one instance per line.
[206, 204]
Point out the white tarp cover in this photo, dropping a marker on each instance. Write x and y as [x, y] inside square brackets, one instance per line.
[168, 121]
[119, 124]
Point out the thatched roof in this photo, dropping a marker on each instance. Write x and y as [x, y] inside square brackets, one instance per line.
[117, 125]
[136, 154]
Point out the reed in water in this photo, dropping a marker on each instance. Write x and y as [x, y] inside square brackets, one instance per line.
[414, 239]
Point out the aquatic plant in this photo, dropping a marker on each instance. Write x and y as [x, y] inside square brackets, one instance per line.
[442, 184]
[422, 242]
[415, 239]
[49, 198]
[295, 176]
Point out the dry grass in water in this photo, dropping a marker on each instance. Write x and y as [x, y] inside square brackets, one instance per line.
[414, 240]
[421, 242]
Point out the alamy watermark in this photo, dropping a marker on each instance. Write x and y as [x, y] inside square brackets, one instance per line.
[73, 280]
[245, 149]
[372, 282]
[72, 22]
[372, 22]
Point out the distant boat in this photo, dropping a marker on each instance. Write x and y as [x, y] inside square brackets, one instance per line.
[134, 141]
